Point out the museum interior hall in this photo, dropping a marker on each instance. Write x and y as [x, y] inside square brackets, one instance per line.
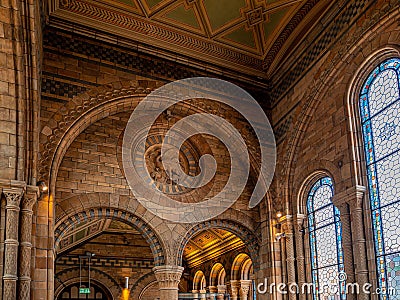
[200, 149]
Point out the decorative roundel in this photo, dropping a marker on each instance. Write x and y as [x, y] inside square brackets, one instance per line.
[167, 181]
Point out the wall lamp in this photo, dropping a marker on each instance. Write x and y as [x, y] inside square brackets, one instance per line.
[42, 186]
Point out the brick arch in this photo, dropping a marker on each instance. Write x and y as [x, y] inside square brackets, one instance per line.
[238, 262]
[98, 212]
[141, 284]
[245, 234]
[216, 271]
[307, 177]
[83, 110]
[71, 275]
[348, 53]
[355, 86]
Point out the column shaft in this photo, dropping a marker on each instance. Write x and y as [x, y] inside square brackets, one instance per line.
[13, 198]
[25, 250]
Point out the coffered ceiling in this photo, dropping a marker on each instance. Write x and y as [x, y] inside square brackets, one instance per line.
[251, 36]
[209, 244]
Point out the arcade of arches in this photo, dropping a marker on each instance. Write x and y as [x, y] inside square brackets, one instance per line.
[326, 74]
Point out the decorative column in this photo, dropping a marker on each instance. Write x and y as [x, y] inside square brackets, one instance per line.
[221, 292]
[212, 289]
[13, 198]
[245, 286]
[287, 227]
[354, 196]
[168, 278]
[25, 250]
[299, 237]
[340, 202]
[235, 286]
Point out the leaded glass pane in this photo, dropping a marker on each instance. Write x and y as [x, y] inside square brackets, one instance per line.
[380, 115]
[326, 245]
[391, 227]
[388, 177]
[385, 131]
[393, 273]
[322, 196]
[383, 91]
[325, 234]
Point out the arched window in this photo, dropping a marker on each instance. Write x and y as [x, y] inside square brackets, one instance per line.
[380, 117]
[325, 234]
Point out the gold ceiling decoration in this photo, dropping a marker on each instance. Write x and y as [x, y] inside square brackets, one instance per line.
[238, 34]
[209, 244]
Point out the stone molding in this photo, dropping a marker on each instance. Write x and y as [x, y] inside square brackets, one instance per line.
[168, 276]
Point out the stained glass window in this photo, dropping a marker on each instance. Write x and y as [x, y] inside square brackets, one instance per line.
[380, 117]
[325, 234]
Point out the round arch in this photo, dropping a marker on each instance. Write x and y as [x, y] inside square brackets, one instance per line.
[217, 275]
[248, 237]
[309, 179]
[70, 277]
[355, 86]
[247, 268]
[349, 49]
[237, 266]
[199, 281]
[96, 213]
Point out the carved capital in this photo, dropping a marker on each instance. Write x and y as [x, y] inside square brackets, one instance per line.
[235, 286]
[168, 277]
[13, 197]
[29, 198]
[221, 289]
[245, 286]
[287, 224]
[353, 196]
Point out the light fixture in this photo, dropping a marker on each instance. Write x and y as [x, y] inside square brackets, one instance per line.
[42, 186]
[278, 214]
[280, 235]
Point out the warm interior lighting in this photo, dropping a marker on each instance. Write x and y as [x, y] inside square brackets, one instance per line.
[125, 294]
[42, 186]
[278, 214]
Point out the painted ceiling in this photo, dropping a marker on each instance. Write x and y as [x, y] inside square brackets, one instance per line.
[248, 35]
[209, 244]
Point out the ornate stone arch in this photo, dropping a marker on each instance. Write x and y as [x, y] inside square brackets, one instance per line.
[82, 111]
[198, 281]
[348, 53]
[215, 275]
[307, 177]
[237, 265]
[141, 284]
[356, 82]
[247, 236]
[97, 212]
[70, 276]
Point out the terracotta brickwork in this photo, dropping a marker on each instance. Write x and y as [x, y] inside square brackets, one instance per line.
[65, 100]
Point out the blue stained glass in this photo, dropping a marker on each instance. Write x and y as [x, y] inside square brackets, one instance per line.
[325, 235]
[380, 117]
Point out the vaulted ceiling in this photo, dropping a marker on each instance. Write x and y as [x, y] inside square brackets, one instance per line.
[210, 244]
[251, 36]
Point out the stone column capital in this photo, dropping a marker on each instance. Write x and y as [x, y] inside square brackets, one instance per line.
[168, 276]
[245, 286]
[13, 197]
[287, 224]
[352, 196]
[29, 199]
[221, 288]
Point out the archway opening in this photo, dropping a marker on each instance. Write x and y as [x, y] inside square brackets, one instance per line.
[105, 251]
[209, 257]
